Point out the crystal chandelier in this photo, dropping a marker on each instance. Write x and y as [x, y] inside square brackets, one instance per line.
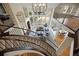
[39, 8]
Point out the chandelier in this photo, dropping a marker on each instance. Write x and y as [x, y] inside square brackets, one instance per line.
[39, 8]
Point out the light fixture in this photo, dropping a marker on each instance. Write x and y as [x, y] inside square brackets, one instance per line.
[43, 17]
[35, 5]
[39, 8]
[40, 4]
[43, 4]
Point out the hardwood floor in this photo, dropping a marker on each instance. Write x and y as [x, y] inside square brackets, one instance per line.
[59, 39]
[29, 54]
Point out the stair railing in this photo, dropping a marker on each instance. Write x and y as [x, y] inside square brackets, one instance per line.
[19, 41]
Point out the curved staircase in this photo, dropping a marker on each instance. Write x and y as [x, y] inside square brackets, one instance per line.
[15, 42]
